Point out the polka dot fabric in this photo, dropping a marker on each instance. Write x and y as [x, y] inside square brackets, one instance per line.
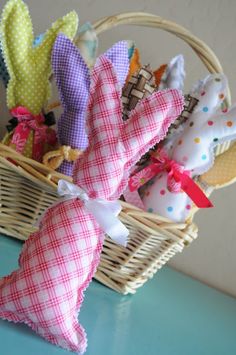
[29, 67]
[3, 69]
[193, 148]
[223, 171]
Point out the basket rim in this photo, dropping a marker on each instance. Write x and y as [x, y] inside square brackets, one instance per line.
[149, 222]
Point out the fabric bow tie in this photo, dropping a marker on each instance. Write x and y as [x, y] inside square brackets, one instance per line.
[161, 162]
[26, 123]
[178, 179]
[105, 212]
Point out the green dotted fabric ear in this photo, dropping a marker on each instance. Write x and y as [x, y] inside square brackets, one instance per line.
[29, 67]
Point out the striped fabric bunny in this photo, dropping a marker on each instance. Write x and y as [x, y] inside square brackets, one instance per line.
[57, 262]
[192, 149]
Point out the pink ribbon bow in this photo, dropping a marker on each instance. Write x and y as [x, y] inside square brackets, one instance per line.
[26, 123]
[178, 179]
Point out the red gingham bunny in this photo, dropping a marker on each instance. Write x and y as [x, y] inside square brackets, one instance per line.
[57, 262]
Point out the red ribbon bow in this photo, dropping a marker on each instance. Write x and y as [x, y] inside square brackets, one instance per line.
[26, 123]
[178, 179]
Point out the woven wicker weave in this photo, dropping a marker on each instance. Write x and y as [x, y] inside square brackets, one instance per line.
[27, 188]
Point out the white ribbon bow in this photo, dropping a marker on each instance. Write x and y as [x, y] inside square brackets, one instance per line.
[105, 212]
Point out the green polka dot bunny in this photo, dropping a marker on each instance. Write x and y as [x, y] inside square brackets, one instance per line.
[29, 67]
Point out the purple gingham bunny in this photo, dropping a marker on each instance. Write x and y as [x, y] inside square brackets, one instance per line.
[72, 78]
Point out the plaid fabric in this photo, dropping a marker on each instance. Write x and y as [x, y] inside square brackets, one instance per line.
[58, 262]
[114, 145]
[117, 55]
[72, 78]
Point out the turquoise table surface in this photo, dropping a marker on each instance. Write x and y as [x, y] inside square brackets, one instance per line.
[170, 315]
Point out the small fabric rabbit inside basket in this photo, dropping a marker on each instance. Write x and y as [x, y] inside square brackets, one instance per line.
[26, 71]
[188, 153]
[117, 134]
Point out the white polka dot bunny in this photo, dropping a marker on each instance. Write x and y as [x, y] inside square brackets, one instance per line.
[192, 149]
[29, 67]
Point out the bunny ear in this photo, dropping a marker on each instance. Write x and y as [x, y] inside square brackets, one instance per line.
[17, 33]
[38, 40]
[210, 92]
[87, 42]
[223, 172]
[104, 108]
[73, 81]
[134, 57]
[107, 77]
[17, 38]
[42, 58]
[71, 73]
[222, 127]
[67, 25]
[149, 122]
[174, 75]
[119, 56]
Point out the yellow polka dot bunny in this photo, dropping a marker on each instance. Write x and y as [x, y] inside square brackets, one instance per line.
[29, 67]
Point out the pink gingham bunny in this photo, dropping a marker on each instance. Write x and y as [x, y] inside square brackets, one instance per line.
[191, 150]
[57, 262]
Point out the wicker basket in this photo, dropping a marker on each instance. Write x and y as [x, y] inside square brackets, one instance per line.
[27, 188]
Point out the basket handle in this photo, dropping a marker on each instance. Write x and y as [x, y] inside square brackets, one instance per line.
[203, 51]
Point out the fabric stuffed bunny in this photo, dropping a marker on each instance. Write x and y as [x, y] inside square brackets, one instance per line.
[168, 76]
[71, 123]
[171, 75]
[57, 262]
[29, 67]
[191, 151]
[74, 94]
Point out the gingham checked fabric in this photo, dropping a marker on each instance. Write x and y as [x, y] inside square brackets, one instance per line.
[58, 262]
[72, 78]
[109, 177]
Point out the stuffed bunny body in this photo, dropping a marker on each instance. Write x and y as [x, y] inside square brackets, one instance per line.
[58, 262]
[192, 149]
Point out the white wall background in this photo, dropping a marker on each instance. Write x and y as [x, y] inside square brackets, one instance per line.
[211, 258]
